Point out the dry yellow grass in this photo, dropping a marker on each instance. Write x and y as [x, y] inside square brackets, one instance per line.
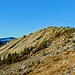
[59, 66]
[59, 57]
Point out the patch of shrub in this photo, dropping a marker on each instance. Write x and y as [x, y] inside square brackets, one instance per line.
[41, 46]
[24, 36]
[27, 72]
[26, 51]
[73, 41]
[9, 59]
[43, 53]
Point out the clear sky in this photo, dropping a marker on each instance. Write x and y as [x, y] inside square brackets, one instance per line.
[21, 17]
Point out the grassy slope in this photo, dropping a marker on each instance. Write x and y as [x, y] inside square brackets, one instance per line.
[59, 56]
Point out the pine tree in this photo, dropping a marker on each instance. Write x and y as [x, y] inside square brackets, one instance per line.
[13, 58]
[9, 59]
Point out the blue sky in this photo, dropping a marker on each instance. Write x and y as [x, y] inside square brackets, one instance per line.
[21, 17]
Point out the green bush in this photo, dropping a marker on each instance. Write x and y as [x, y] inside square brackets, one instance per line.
[43, 53]
[73, 41]
[9, 59]
[14, 58]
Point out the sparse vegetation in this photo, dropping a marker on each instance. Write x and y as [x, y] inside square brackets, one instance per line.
[27, 72]
[9, 59]
[41, 46]
[31, 64]
[14, 57]
[57, 34]
[26, 51]
[38, 61]
[24, 36]
[43, 53]
[42, 59]
[73, 41]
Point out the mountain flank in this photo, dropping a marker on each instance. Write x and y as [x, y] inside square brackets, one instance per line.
[49, 51]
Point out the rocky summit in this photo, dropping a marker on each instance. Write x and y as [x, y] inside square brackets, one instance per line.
[49, 51]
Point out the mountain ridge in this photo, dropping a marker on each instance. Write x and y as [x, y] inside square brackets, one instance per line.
[7, 39]
[32, 40]
[47, 52]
